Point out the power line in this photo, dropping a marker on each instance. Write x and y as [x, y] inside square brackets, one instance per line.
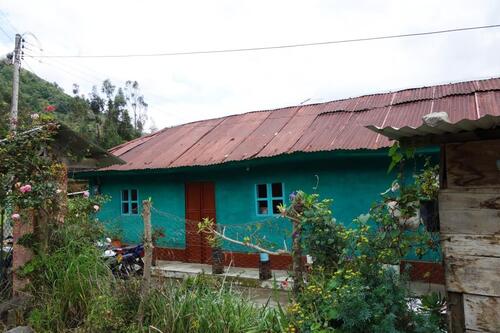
[72, 74]
[6, 19]
[285, 46]
[6, 34]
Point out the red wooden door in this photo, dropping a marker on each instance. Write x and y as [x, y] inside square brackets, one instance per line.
[200, 203]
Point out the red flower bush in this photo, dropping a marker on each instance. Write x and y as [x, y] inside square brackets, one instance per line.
[50, 108]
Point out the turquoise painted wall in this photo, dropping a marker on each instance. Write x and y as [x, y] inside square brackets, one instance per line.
[353, 180]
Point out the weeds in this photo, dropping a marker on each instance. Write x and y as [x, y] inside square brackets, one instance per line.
[74, 291]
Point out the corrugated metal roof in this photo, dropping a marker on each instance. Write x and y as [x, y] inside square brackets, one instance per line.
[335, 125]
[442, 128]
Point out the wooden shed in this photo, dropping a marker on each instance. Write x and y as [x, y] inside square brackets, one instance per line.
[469, 209]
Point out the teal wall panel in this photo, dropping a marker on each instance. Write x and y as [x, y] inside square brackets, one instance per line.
[354, 182]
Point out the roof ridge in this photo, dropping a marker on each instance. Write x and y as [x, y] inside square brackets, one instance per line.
[473, 81]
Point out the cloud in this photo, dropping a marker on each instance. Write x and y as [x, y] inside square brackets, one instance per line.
[187, 88]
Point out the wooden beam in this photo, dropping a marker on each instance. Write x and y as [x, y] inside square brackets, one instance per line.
[473, 275]
[455, 245]
[482, 313]
[472, 211]
[456, 318]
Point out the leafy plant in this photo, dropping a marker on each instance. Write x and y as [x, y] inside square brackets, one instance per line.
[351, 288]
[319, 229]
[427, 181]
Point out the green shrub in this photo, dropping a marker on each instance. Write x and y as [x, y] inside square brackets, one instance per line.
[351, 287]
[74, 290]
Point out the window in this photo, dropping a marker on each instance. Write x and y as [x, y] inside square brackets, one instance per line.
[130, 202]
[269, 197]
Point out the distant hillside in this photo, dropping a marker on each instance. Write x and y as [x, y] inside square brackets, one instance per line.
[104, 120]
[35, 94]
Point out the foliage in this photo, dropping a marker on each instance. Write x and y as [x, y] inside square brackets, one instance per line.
[368, 298]
[427, 181]
[35, 94]
[74, 290]
[399, 155]
[101, 119]
[28, 174]
[319, 230]
[206, 227]
[70, 274]
[351, 287]
[208, 307]
[435, 305]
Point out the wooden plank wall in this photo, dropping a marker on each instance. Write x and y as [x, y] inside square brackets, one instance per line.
[470, 234]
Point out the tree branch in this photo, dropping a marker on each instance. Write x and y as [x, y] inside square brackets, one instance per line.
[250, 245]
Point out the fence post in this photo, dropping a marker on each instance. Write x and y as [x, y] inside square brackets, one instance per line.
[148, 256]
[297, 265]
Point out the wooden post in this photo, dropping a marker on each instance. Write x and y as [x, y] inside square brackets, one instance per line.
[297, 265]
[148, 256]
[456, 316]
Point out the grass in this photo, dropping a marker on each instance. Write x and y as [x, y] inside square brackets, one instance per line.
[74, 291]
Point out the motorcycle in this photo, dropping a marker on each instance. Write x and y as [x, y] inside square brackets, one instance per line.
[124, 261]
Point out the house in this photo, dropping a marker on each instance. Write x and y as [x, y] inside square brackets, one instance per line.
[469, 201]
[236, 169]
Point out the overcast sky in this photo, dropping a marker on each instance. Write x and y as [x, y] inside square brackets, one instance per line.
[186, 88]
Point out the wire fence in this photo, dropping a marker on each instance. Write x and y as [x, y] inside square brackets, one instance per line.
[274, 233]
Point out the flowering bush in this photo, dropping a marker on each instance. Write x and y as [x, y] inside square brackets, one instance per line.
[350, 287]
[28, 173]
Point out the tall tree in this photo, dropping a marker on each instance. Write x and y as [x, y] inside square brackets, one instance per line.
[137, 104]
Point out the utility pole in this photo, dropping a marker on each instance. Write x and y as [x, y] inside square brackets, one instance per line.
[16, 59]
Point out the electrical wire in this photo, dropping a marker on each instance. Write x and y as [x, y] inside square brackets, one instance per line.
[60, 68]
[6, 19]
[285, 46]
[6, 34]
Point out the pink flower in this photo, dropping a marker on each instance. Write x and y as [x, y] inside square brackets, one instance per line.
[50, 108]
[86, 194]
[96, 208]
[15, 216]
[25, 188]
[284, 284]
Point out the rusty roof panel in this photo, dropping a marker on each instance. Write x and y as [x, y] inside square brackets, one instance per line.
[409, 114]
[460, 88]
[308, 128]
[340, 105]
[321, 131]
[412, 95]
[488, 103]
[216, 146]
[263, 134]
[373, 101]
[284, 140]
[458, 107]
[490, 84]
[356, 136]
[124, 147]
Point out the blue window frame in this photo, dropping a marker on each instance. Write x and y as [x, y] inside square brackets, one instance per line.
[130, 202]
[268, 197]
